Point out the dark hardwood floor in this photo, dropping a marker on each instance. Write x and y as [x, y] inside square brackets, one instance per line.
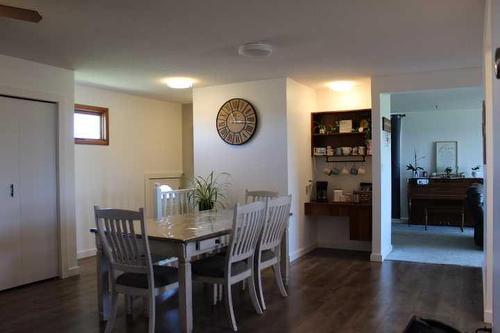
[330, 291]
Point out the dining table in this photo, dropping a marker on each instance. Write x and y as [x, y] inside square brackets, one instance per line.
[185, 237]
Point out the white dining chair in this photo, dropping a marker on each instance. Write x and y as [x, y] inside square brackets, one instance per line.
[252, 196]
[131, 269]
[175, 202]
[268, 248]
[237, 264]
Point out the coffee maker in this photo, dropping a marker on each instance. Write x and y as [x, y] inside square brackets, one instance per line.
[322, 191]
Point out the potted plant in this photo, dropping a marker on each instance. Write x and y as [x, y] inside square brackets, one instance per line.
[414, 168]
[209, 191]
[319, 128]
[448, 172]
[475, 171]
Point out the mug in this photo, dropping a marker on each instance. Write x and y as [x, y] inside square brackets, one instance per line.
[327, 171]
[346, 150]
[336, 171]
[338, 151]
[362, 150]
[361, 171]
[344, 171]
[354, 171]
[355, 151]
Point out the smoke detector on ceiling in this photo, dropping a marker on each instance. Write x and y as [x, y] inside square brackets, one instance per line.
[255, 50]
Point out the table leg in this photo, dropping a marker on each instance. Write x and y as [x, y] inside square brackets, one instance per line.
[102, 282]
[285, 258]
[185, 293]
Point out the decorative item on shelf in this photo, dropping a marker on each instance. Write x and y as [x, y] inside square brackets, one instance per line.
[337, 195]
[344, 171]
[361, 170]
[446, 156]
[338, 151]
[330, 151]
[345, 126]
[322, 191]
[336, 171]
[354, 170]
[364, 123]
[355, 197]
[475, 171]
[346, 197]
[354, 151]
[368, 140]
[327, 171]
[364, 196]
[319, 151]
[346, 151]
[209, 191]
[362, 150]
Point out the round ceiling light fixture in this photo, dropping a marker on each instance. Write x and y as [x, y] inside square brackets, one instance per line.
[178, 82]
[255, 50]
[341, 86]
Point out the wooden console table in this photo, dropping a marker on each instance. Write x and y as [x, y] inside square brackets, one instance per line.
[359, 214]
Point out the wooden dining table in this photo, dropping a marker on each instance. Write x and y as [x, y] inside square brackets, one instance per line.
[184, 237]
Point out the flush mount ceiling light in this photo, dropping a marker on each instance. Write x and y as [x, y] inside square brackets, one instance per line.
[341, 86]
[255, 50]
[178, 82]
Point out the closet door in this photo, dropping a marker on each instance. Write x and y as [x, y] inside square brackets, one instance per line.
[28, 192]
[38, 190]
[10, 228]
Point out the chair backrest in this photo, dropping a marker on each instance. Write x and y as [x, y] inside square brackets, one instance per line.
[247, 226]
[126, 250]
[176, 202]
[278, 214]
[252, 196]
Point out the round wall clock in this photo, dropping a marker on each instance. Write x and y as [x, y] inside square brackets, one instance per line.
[236, 121]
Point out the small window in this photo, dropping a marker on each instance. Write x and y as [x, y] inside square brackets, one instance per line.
[91, 125]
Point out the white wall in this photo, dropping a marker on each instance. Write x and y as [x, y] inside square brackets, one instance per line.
[28, 79]
[187, 144]
[333, 232]
[420, 130]
[145, 137]
[261, 163]
[300, 101]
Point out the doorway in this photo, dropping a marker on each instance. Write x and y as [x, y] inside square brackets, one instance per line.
[436, 161]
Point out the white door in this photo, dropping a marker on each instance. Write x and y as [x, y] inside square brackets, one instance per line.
[32, 200]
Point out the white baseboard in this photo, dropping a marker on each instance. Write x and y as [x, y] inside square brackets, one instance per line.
[488, 316]
[380, 257]
[350, 246]
[72, 271]
[86, 253]
[301, 252]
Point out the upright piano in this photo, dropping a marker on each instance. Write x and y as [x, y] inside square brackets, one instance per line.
[434, 192]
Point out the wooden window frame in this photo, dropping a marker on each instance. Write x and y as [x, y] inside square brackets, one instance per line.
[104, 114]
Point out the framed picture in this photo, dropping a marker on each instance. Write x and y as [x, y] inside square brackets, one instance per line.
[386, 124]
[446, 156]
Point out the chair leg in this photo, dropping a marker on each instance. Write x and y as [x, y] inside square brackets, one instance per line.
[145, 307]
[426, 218]
[129, 305]
[151, 311]
[221, 291]
[215, 294]
[258, 285]
[243, 285]
[253, 294]
[113, 312]
[229, 306]
[279, 279]
[463, 222]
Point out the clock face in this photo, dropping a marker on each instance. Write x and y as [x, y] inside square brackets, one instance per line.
[236, 121]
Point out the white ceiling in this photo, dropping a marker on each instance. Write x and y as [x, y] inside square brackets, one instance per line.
[129, 44]
[438, 100]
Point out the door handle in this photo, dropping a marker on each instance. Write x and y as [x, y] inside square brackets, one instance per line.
[12, 190]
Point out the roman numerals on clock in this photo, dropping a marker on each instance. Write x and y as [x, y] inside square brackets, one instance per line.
[236, 121]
